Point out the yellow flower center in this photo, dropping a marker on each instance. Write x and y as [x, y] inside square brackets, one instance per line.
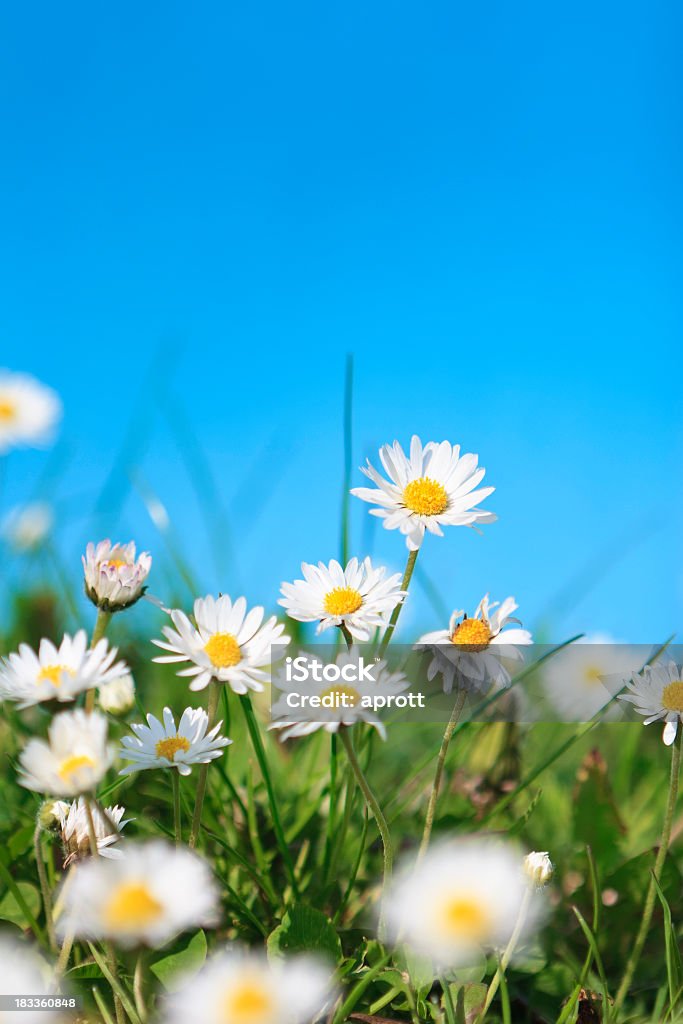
[53, 674]
[352, 696]
[472, 635]
[223, 650]
[247, 1003]
[114, 563]
[672, 697]
[132, 906]
[342, 601]
[8, 410]
[465, 918]
[593, 674]
[169, 747]
[72, 765]
[425, 497]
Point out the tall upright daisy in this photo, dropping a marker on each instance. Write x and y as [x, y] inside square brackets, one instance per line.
[225, 643]
[29, 411]
[463, 898]
[657, 694]
[73, 761]
[147, 897]
[114, 575]
[358, 597]
[433, 486]
[163, 745]
[73, 822]
[240, 987]
[469, 652]
[58, 673]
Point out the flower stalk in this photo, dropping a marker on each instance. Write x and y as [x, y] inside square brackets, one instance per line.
[438, 774]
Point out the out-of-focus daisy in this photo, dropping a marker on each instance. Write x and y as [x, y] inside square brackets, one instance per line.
[75, 758]
[469, 652]
[657, 694]
[585, 676]
[118, 696]
[27, 526]
[464, 897]
[147, 897]
[58, 673]
[24, 973]
[432, 487]
[539, 868]
[73, 821]
[299, 708]
[29, 411]
[114, 575]
[162, 745]
[245, 988]
[227, 643]
[358, 597]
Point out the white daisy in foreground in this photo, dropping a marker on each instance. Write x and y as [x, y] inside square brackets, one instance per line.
[238, 987]
[27, 526]
[539, 868]
[29, 411]
[118, 696]
[581, 679]
[114, 575]
[227, 643]
[469, 652]
[358, 597]
[73, 821]
[162, 745]
[312, 699]
[464, 897]
[73, 761]
[434, 486]
[58, 673]
[24, 973]
[147, 897]
[657, 694]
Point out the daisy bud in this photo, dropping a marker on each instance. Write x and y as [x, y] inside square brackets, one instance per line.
[49, 815]
[539, 868]
[117, 697]
[114, 577]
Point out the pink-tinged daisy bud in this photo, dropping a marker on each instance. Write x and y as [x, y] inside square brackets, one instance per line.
[539, 868]
[114, 576]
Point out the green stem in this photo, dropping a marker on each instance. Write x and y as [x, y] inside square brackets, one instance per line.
[405, 583]
[109, 949]
[373, 806]
[448, 1001]
[259, 750]
[8, 879]
[507, 955]
[214, 690]
[120, 994]
[177, 824]
[438, 774]
[138, 989]
[332, 813]
[44, 887]
[649, 905]
[100, 628]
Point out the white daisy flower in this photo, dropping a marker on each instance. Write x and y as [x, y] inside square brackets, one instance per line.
[469, 652]
[29, 411]
[539, 868]
[462, 898]
[147, 897]
[114, 576]
[58, 673]
[118, 696]
[25, 973]
[27, 526]
[240, 987]
[322, 703]
[162, 745]
[358, 597]
[227, 643]
[73, 821]
[657, 694]
[73, 761]
[581, 679]
[434, 486]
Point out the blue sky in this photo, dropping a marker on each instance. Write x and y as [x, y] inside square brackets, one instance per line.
[206, 207]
